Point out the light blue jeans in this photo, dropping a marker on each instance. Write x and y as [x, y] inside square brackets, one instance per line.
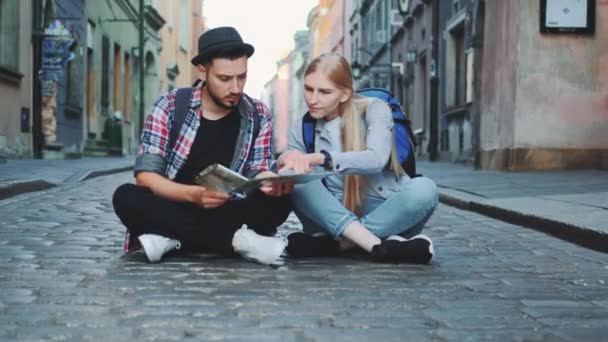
[404, 212]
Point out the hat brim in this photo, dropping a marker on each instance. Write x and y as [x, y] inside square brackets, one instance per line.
[248, 48]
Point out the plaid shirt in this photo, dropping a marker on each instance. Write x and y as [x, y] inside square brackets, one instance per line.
[255, 156]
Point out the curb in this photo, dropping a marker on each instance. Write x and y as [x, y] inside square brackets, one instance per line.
[20, 187]
[582, 236]
[104, 172]
[15, 188]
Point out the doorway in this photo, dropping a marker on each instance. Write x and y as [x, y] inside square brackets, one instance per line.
[90, 105]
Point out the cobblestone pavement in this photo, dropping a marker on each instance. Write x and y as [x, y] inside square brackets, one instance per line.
[64, 277]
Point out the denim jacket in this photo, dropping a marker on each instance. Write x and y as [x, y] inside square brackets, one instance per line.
[371, 162]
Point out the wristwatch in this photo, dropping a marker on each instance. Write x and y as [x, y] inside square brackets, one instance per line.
[328, 163]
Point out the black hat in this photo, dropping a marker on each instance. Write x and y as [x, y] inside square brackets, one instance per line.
[219, 38]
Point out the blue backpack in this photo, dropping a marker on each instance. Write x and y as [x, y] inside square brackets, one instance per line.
[404, 137]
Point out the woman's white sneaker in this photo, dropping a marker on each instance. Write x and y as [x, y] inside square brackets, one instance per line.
[155, 246]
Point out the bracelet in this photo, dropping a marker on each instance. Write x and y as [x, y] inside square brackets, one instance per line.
[328, 163]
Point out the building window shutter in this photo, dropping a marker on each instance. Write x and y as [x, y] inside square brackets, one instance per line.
[74, 82]
[105, 74]
[9, 33]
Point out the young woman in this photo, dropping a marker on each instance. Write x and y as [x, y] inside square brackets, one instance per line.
[374, 205]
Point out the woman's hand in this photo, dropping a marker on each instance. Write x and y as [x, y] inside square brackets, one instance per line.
[207, 199]
[274, 188]
[297, 161]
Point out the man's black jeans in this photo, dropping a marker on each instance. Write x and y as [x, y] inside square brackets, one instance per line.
[198, 229]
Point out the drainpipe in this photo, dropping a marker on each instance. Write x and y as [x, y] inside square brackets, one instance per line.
[478, 38]
[141, 66]
[389, 41]
[37, 137]
[433, 139]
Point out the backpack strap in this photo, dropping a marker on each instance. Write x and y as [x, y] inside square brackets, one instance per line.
[308, 132]
[182, 107]
[256, 118]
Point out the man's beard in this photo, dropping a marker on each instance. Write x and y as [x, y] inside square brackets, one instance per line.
[216, 99]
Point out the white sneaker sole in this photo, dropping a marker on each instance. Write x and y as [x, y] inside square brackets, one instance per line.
[419, 236]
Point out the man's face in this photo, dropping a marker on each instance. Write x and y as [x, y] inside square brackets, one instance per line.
[225, 80]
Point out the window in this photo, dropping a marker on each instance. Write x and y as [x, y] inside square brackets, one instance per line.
[469, 76]
[74, 83]
[184, 27]
[9, 34]
[127, 96]
[117, 78]
[380, 35]
[90, 34]
[91, 84]
[170, 5]
[445, 138]
[459, 63]
[379, 16]
[456, 67]
[105, 74]
[367, 39]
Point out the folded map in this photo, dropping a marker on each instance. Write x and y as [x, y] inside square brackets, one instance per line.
[220, 178]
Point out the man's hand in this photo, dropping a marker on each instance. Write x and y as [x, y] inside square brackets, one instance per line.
[208, 199]
[271, 188]
[297, 161]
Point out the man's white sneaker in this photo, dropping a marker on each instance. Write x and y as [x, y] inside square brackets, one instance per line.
[155, 246]
[254, 247]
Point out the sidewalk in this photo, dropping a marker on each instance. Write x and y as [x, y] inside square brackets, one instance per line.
[27, 175]
[572, 205]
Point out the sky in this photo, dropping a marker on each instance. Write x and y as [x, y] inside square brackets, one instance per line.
[268, 25]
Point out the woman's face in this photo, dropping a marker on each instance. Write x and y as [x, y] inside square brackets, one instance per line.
[322, 96]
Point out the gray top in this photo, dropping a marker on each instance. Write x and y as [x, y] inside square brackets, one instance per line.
[372, 161]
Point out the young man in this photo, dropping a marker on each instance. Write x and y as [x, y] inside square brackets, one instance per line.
[166, 210]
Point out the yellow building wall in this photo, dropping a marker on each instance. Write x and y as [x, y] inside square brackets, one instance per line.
[179, 15]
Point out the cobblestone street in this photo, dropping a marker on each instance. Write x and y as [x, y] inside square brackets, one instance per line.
[64, 277]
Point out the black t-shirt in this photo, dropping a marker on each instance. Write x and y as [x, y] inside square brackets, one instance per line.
[214, 143]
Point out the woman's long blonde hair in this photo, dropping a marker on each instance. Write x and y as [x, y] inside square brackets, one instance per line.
[338, 71]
